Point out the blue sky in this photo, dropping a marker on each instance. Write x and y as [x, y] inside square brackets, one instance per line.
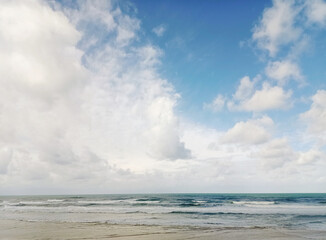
[202, 46]
[162, 96]
[208, 48]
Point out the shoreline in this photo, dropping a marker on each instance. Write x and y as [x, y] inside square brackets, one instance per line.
[28, 230]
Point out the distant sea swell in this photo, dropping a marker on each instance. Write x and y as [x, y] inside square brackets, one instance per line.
[232, 210]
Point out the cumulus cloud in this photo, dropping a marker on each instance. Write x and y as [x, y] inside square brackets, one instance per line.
[217, 104]
[78, 99]
[283, 71]
[267, 98]
[39, 58]
[278, 153]
[245, 89]
[275, 154]
[310, 156]
[248, 97]
[264, 99]
[254, 157]
[315, 117]
[277, 26]
[284, 32]
[316, 11]
[159, 30]
[286, 23]
[106, 20]
[253, 131]
[81, 105]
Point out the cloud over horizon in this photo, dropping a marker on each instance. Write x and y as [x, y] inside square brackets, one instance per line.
[86, 103]
[78, 120]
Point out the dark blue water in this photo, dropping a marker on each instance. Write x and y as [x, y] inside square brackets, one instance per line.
[304, 211]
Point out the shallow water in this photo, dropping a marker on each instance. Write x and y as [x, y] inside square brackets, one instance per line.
[293, 211]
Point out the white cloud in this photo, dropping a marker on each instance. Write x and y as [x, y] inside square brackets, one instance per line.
[5, 158]
[245, 89]
[106, 21]
[246, 162]
[310, 156]
[78, 122]
[26, 44]
[278, 153]
[316, 11]
[82, 106]
[159, 30]
[267, 98]
[250, 132]
[217, 104]
[275, 154]
[164, 142]
[315, 117]
[283, 71]
[277, 26]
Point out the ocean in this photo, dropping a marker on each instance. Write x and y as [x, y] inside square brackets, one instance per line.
[293, 211]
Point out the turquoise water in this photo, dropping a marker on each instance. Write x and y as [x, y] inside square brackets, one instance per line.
[303, 211]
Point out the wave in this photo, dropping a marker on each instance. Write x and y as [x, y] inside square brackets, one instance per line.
[132, 212]
[55, 200]
[97, 201]
[310, 216]
[185, 199]
[184, 212]
[25, 203]
[142, 204]
[189, 204]
[154, 199]
[254, 202]
[205, 213]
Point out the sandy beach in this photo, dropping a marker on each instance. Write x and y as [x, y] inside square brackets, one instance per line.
[164, 216]
[164, 120]
[13, 229]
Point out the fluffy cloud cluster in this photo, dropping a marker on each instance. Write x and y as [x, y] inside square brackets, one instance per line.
[247, 98]
[316, 12]
[315, 117]
[283, 71]
[275, 154]
[82, 105]
[250, 132]
[252, 98]
[77, 95]
[281, 32]
[277, 26]
[285, 23]
[278, 153]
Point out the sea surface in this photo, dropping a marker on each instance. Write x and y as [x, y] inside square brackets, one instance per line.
[293, 211]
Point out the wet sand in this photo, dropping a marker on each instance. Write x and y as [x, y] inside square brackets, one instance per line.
[12, 229]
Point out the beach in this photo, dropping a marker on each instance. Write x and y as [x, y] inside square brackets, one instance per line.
[164, 216]
[13, 229]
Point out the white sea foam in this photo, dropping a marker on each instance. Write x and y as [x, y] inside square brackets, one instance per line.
[55, 200]
[254, 202]
[97, 202]
[228, 210]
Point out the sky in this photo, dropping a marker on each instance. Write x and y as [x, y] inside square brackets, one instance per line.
[162, 96]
